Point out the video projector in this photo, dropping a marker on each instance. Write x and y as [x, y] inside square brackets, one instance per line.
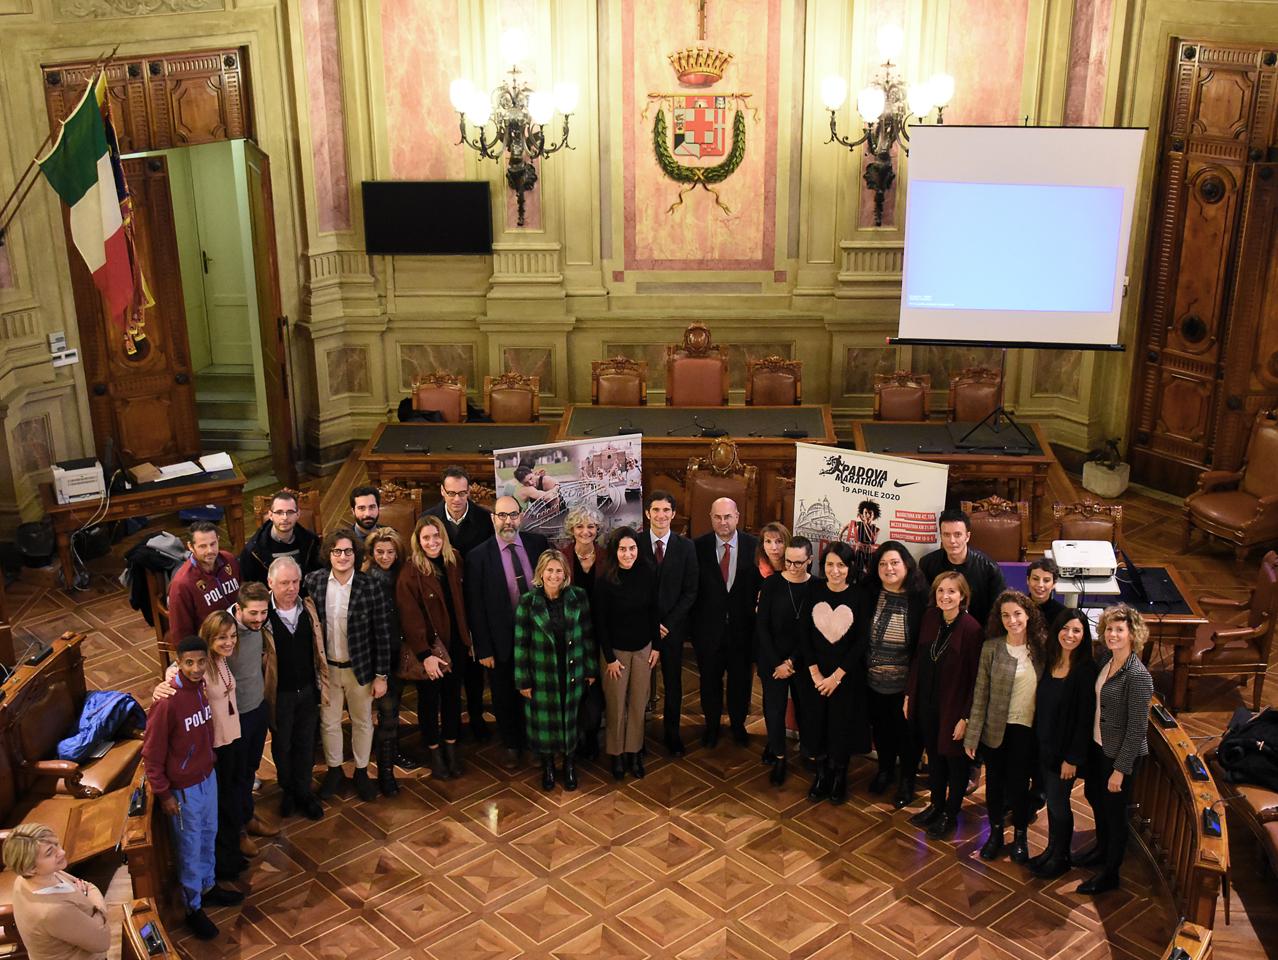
[1085, 558]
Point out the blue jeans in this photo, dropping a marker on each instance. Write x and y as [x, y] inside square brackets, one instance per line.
[194, 835]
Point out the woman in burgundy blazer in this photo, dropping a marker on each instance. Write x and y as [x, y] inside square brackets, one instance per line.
[939, 696]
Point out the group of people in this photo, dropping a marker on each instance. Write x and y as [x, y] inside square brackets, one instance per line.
[935, 658]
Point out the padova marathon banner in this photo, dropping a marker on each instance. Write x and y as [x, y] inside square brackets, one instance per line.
[865, 499]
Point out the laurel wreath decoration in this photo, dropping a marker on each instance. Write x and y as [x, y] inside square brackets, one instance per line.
[703, 177]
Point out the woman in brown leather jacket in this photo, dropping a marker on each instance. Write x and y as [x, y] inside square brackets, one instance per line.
[432, 616]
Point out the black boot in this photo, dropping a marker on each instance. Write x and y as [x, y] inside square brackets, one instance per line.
[1058, 865]
[438, 768]
[636, 765]
[928, 815]
[839, 785]
[994, 842]
[942, 826]
[904, 792]
[386, 750]
[570, 772]
[882, 780]
[821, 783]
[1020, 846]
[451, 759]
[1100, 883]
[1038, 860]
[365, 789]
[334, 780]
[547, 771]
[618, 767]
[1093, 856]
[777, 777]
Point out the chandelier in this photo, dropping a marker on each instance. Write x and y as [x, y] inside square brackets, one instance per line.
[518, 114]
[886, 107]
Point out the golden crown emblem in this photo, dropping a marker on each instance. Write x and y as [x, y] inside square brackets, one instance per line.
[699, 66]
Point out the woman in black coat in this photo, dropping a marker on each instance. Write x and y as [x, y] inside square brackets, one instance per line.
[783, 607]
[1066, 703]
[887, 616]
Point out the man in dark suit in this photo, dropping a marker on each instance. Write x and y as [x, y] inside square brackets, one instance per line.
[498, 572]
[675, 560]
[723, 619]
[469, 525]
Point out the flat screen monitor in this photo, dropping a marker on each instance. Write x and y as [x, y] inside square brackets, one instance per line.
[428, 217]
[1018, 234]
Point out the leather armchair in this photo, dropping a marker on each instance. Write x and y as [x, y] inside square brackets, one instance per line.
[974, 393]
[901, 395]
[1089, 520]
[445, 392]
[721, 474]
[400, 508]
[619, 382]
[1241, 507]
[1224, 649]
[513, 398]
[308, 509]
[696, 371]
[1000, 528]
[774, 382]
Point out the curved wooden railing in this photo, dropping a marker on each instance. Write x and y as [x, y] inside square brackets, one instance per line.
[1190, 942]
[142, 916]
[1168, 818]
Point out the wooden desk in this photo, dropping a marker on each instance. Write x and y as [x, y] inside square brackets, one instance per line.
[1173, 617]
[935, 442]
[672, 435]
[224, 488]
[417, 454]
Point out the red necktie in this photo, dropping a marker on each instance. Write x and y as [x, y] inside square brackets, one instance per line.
[660, 552]
[725, 562]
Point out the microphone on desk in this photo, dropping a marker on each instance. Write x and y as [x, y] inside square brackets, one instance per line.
[709, 429]
[484, 450]
[793, 432]
[416, 448]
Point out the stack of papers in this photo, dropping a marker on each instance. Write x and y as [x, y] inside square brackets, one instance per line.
[213, 462]
[183, 469]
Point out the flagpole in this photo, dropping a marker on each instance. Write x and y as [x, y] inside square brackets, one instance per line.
[34, 165]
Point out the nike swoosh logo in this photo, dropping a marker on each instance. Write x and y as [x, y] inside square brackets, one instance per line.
[898, 483]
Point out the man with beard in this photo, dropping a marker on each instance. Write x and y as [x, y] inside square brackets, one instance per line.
[366, 507]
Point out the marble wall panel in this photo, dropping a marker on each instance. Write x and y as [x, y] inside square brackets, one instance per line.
[326, 114]
[985, 54]
[34, 445]
[941, 362]
[420, 358]
[347, 370]
[1058, 373]
[1088, 62]
[739, 353]
[860, 364]
[531, 362]
[654, 353]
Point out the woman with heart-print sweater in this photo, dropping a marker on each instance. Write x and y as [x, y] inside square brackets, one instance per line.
[830, 697]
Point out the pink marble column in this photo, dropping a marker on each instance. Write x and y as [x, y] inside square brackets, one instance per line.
[420, 44]
[986, 56]
[1088, 63]
[326, 114]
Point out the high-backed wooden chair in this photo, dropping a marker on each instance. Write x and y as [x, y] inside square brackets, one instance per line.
[308, 509]
[722, 474]
[696, 371]
[512, 398]
[774, 382]
[483, 495]
[444, 392]
[1088, 520]
[901, 395]
[157, 592]
[974, 393]
[1221, 648]
[619, 382]
[1241, 507]
[1000, 528]
[400, 508]
[784, 504]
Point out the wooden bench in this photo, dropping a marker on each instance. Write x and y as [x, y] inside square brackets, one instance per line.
[1254, 805]
[1193, 939]
[85, 804]
[1168, 819]
[137, 915]
[147, 847]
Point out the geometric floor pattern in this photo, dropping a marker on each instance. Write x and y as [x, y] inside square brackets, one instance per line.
[701, 859]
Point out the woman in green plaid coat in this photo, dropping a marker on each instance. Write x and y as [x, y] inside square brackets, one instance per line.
[554, 663]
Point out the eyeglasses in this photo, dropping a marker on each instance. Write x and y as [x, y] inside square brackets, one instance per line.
[457, 493]
[796, 563]
[283, 513]
[507, 516]
[342, 552]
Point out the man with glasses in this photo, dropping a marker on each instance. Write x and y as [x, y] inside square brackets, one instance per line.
[469, 525]
[280, 536]
[498, 572]
[355, 614]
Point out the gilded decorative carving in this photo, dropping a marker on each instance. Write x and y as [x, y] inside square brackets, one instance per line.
[108, 9]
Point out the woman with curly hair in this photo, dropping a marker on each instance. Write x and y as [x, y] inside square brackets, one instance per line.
[1119, 723]
[1002, 718]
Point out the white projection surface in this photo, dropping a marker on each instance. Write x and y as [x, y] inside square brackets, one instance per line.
[1018, 234]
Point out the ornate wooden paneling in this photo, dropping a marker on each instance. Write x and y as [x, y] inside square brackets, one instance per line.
[1218, 124]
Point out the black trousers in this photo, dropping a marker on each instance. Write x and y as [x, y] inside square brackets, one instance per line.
[946, 773]
[776, 693]
[508, 705]
[1060, 815]
[293, 739]
[388, 704]
[439, 708]
[827, 721]
[231, 772]
[714, 664]
[473, 678]
[1109, 809]
[672, 681]
[253, 725]
[891, 732]
[590, 716]
[1008, 768]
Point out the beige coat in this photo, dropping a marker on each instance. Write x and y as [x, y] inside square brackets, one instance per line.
[61, 926]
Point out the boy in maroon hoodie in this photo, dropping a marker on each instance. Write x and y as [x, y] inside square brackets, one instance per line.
[179, 759]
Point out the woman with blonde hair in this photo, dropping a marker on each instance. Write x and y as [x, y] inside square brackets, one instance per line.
[1124, 689]
[59, 916]
[432, 619]
[554, 647]
[582, 526]
[383, 559]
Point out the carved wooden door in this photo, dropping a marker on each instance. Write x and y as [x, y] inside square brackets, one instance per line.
[1219, 123]
[145, 401]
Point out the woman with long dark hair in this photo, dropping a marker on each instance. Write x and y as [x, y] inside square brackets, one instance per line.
[783, 607]
[1124, 689]
[1002, 719]
[432, 616]
[832, 720]
[1063, 711]
[383, 560]
[938, 698]
[889, 609]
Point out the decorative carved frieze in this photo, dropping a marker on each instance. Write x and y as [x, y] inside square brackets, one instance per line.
[110, 9]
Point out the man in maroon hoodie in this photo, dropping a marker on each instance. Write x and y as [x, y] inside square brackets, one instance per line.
[208, 581]
[180, 767]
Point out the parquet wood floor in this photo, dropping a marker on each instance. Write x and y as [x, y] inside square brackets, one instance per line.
[701, 859]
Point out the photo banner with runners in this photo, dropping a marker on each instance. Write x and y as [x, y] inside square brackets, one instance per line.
[550, 479]
[864, 499]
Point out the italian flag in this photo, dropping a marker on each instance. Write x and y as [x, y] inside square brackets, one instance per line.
[80, 170]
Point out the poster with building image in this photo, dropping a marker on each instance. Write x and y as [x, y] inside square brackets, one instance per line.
[549, 480]
[864, 499]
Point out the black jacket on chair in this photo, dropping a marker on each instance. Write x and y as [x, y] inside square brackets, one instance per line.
[721, 617]
[676, 584]
[475, 528]
[488, 611]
